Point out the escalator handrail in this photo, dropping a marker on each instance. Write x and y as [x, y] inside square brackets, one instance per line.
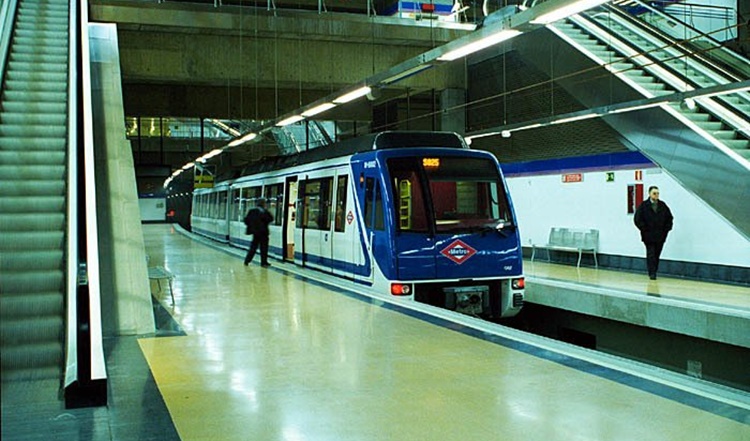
[71, 234]
[696, 34]
[98, 369]
[7, 14]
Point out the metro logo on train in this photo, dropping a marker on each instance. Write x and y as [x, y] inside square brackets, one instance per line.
[458, 251]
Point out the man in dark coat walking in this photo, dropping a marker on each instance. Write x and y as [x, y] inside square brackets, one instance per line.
[256, 222]
[654, 219]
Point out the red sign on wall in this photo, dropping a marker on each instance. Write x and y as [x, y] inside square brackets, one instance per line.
[572, 177]
[639, 175]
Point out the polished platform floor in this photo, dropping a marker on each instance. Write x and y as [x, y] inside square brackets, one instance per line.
[248, 353]
[269, 356]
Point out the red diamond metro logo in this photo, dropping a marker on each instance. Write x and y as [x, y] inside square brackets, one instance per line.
[458, 251]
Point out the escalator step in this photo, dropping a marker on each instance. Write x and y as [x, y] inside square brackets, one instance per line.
[15, 239]
[17, 306]
[35, 107]
[36, 204]
[33, 118]
[31, 173]
[39, 144]
[31, 145]
[34, 188]
[53, 77]
[31, 32]
[36, 67]
[53, 46]
[28, 356]
[34, 131]
[36, 281]
[32, 260]
[26, 157]
[28, 223]
[43, 20]
[31, 85]
[29, 57]
[25, 332]
[741, 146]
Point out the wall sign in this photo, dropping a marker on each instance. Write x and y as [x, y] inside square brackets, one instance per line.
[572, 177]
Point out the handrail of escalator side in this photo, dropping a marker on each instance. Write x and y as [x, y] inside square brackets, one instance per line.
[7, 14]
[698, 34]
[98, 370]
[71, 234]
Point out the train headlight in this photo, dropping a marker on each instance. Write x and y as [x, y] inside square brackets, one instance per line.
[400, 289]
[519, 283]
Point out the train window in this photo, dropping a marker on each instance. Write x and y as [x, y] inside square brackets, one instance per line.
[369, 196]
[379, 215]
[471, 195]
[222, 213]
[315, 204]
[249, 197]
[466, 193]
[275, 202]
[408, 194]
[341, 187]
[235, 213]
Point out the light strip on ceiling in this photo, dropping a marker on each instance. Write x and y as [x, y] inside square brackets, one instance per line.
[406, 73]
[567, 11]
[480, 44]
[318, 109]
[353, 95]
[290, 120]
[248, 137]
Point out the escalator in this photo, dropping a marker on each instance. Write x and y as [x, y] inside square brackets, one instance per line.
[703, 142]
[33, 172]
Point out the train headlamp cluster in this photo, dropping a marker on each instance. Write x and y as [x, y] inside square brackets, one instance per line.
[519, 283]
[401, 289]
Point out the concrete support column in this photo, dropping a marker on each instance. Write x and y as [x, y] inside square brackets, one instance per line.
[453, 115]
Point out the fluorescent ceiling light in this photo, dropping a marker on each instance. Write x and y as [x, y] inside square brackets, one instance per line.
[478, 45]
[248, 137]
[567, 11]
[291, 120]
[188, 165]
[353, 95]
[318, 109]
[407, 73]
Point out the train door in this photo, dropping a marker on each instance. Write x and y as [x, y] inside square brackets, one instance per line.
[343, 229]
[290, 214]
[313, 232]
[374, 223]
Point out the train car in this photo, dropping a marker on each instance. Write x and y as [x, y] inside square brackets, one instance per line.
[411, 214]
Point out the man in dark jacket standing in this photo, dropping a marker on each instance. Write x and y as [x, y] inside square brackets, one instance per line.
[654, 220]
[256, 221]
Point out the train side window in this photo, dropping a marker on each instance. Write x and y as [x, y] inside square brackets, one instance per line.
[235, 205]
[408, 195]
[341, 186]
[275, 201]
[315, 204]
[369, 196]
[222, 214]
[379, 216]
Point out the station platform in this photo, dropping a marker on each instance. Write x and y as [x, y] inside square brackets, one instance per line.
[711, 311]
[280, 354]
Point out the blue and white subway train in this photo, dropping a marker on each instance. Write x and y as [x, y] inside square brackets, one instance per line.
[411, 214]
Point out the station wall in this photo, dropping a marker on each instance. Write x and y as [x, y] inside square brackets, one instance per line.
[542, 201]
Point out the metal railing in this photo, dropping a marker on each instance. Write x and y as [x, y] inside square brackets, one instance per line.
[83, 239]
[7, 13]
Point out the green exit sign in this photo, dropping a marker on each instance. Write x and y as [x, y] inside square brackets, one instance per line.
[610, 176]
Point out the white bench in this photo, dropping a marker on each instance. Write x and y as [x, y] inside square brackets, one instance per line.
[570, 239]
[160, 273]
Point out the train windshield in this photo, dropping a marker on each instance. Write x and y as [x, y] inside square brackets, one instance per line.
[448, 194]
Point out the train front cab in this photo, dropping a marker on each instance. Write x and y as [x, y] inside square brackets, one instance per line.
[441, 228]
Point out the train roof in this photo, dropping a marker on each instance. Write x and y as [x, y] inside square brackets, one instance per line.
[373, 141]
